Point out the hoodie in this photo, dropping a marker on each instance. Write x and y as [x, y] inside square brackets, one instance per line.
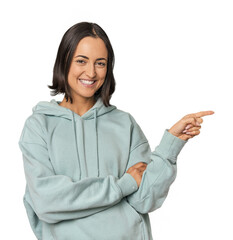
[75, 166]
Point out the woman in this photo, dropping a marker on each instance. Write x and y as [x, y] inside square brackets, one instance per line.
[89, 168]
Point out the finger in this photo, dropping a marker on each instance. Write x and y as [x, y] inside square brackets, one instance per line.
[203, 113]
[139, 164]
[142, 163]
[199, 120]
[193, 133]
[185, 137]
[199, 114]
[189, 136]
[191, 129]
[142, 168]
[192, 121]
[188, 126]
[191, 125]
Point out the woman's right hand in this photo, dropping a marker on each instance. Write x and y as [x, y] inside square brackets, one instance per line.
[136, 171]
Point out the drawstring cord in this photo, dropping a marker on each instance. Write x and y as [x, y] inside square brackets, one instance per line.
[96, 139]
[96, 143]
[76, 146]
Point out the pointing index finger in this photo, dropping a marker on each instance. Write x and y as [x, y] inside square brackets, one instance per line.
[204, 113]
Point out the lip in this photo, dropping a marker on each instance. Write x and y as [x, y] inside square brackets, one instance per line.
[86, 79]
[86, 85]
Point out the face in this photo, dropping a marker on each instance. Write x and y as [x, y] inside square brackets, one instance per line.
[88, 68]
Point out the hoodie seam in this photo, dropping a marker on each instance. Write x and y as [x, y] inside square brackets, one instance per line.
[24, 142]
[138, 145]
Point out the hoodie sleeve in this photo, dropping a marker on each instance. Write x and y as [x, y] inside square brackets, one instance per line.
[55, 198]
[160, 172]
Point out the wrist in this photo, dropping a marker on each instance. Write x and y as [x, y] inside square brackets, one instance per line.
[173, 133]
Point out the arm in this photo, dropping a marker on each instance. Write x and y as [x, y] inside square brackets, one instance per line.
[160, 172]
[57, 197]
[161, 169]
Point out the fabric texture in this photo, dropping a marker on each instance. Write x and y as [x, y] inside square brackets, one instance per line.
[75, 167]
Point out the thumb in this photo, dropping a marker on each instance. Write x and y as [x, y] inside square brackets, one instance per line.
[191, 120]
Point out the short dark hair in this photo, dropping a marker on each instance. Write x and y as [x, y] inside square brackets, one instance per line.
[66, 52]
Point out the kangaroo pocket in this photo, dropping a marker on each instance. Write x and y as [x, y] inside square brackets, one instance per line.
[120, 222]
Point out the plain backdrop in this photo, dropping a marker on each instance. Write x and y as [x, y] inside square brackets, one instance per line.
[172, 58]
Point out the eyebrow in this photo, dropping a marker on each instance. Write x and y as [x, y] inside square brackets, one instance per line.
[88, 58]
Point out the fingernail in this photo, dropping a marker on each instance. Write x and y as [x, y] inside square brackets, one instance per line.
[184, 131]
[187, 127]
[198, 124]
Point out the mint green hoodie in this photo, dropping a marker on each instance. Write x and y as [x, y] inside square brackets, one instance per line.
[75, 167]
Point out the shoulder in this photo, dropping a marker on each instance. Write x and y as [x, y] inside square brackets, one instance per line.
[40, 113]
[128, 117]
[123, 115]
[36, 121]
[34, 125]
[33, 130]
[137, 135]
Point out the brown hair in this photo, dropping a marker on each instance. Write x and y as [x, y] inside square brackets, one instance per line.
[65, 54]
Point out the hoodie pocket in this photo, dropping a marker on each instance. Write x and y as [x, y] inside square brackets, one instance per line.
[119, 222]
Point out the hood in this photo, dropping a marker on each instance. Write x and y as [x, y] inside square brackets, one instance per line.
[53, 108]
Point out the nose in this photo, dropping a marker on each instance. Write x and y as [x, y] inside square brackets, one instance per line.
[90, 70]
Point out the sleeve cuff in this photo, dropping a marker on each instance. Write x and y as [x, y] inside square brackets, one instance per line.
[170, 146]
[127, 184]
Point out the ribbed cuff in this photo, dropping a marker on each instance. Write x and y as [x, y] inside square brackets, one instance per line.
[170, 146]
[127, 184]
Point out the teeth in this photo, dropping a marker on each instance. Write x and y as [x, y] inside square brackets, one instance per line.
[87, 81]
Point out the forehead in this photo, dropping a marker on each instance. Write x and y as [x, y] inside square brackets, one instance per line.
[91, 47]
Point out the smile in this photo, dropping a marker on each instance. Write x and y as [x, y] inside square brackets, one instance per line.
[87, 83]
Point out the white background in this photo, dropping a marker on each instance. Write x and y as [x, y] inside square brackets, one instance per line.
[172, 58]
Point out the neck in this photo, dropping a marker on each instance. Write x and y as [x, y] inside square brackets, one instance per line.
[79, 106]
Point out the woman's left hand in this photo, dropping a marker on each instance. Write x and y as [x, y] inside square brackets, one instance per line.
[189, 126]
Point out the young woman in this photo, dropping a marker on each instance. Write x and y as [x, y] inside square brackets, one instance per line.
[89, 169]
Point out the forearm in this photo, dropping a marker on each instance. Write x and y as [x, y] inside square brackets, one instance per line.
[158, 176]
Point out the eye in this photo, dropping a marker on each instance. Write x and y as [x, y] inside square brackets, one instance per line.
[102, 64]
[80, 61]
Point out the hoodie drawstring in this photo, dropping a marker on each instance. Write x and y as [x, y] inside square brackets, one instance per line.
[76, 146]
[96, 139]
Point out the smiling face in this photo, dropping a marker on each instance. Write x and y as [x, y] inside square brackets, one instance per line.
[88, 68]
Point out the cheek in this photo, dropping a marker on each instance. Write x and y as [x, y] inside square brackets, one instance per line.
[102, 74]
[75, 70]
[71, 79]
[102, 77]
[73, 75]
